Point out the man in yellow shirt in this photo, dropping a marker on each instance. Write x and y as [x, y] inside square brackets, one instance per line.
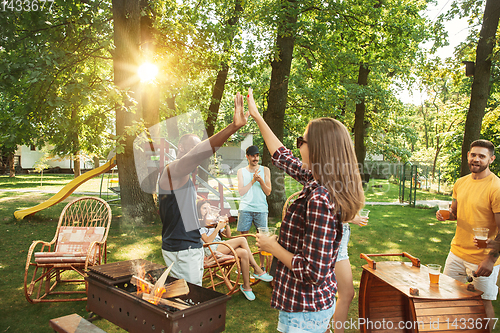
[476, 204]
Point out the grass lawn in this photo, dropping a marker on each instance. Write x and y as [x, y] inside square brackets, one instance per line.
[391, 229]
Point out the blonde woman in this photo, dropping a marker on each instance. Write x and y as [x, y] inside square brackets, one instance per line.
[311, 231]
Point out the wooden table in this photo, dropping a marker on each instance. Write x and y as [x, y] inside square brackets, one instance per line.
[385, 302]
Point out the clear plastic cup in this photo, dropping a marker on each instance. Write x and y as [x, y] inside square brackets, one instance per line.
[434, 272]
[268, 231]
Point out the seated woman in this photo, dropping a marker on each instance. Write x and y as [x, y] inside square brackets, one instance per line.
[240, 245]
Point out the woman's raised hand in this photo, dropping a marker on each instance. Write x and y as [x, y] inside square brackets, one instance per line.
[252, 108]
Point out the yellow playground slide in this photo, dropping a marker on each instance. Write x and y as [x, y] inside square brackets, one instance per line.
[66, 190]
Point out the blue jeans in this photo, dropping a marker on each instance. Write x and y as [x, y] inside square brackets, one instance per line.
[245, 219]
[305, 322]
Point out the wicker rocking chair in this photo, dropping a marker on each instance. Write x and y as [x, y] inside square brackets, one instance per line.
[79, 242]
[224, 269]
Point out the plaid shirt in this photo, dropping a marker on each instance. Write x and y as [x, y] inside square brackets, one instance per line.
[312, 232]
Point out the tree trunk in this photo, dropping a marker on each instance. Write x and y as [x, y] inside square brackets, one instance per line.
[359, 120]
[213, 111]
[12, 168]
[434, 162]
[220, 81]
[76, 165]
[218, 91]
[481, 82]
[172, 128]
[75, 142]
[277, 99]
[96, 162]
[137, 205]
[426, 130]
[150, 92]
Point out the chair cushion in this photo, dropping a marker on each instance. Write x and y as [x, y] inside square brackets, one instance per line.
[209, 261]
[72, 245]
[59, 257]
[78, 239]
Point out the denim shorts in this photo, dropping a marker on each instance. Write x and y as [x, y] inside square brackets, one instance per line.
[346, 234]
[245, 219]
[305, 322]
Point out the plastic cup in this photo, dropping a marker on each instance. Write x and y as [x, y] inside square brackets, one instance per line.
[214, 211]
[444, 210]
[268, 231]
[211, 221]
[434, 272]
[364, 213]
[481, 235]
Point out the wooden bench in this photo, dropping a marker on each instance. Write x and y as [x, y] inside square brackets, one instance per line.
[73, 324]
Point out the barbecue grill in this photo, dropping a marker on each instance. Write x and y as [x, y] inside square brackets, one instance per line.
[112, 296]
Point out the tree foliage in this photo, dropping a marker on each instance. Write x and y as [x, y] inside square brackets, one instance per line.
[57, 76]
[56, 79]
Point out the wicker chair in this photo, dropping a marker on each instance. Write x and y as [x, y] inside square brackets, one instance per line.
[79, 242]
[288, 201]
[223, 270]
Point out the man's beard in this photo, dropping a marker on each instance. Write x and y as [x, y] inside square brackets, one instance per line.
[481, 168]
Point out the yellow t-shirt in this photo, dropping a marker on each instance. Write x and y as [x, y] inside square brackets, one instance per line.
[477, 201]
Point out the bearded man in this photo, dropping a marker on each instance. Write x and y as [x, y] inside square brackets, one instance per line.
[476, 204]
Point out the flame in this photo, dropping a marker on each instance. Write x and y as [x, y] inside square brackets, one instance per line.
[157, 295]
[141, 273]
[144, 288]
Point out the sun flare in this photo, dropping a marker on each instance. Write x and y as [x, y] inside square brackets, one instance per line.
[147, 72]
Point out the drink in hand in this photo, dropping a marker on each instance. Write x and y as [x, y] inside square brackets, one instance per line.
[445, 213]
[481, 236]
[363, 213]
[481, 241]
[211, 221]
[269, 231]
[444, 210]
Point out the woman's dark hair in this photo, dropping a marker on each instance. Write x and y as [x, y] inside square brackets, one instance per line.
[200, 203]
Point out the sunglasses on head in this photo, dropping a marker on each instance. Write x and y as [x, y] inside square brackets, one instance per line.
[300, 141]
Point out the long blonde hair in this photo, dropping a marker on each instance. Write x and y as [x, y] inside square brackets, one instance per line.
[334, 165]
